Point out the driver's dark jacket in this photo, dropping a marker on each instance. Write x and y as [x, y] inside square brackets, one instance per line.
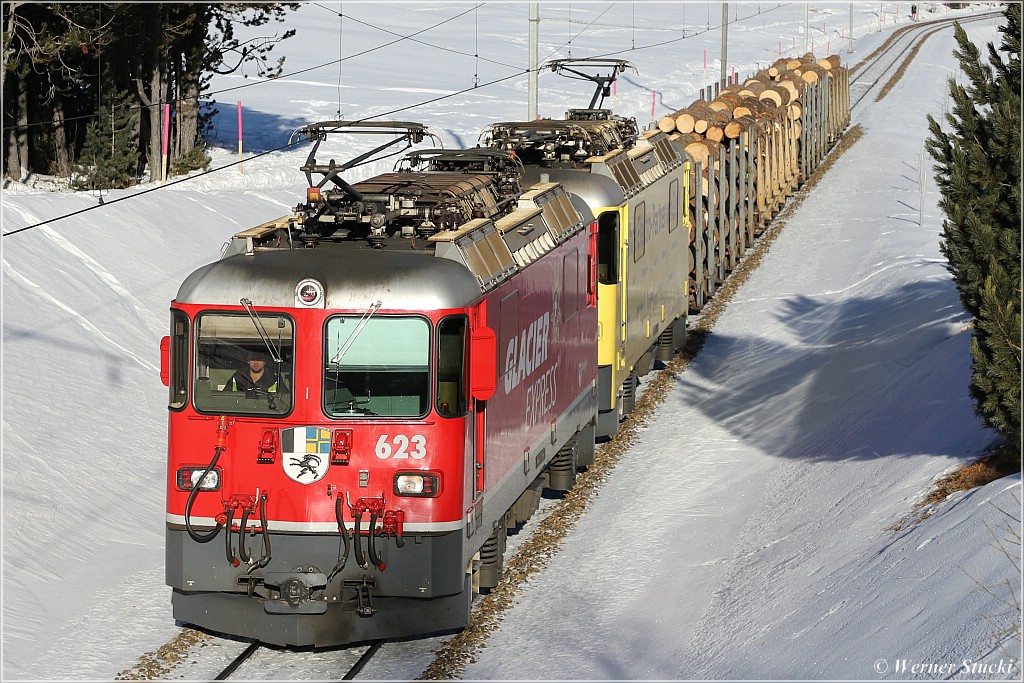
[240, 381]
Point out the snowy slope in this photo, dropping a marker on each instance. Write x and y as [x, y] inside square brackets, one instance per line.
[746, 534]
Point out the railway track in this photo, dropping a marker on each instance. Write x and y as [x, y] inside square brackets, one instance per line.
[879, 69]
[885, 66]
[238, 661]
[254, 647]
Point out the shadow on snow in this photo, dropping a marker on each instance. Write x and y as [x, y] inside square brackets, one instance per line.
[856, 378]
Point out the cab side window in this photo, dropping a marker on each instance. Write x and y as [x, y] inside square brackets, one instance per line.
[451, 367]
[638, 231]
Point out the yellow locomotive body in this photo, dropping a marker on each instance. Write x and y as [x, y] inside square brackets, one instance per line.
[642, 268]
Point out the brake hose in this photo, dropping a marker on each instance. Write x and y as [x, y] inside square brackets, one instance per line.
[195, 535]
[360, 559]
[232, 560]
[243, 554]
[343, 558]
[265, 560]
[373, 546]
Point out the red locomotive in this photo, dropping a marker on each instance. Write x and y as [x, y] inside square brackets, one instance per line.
[365, 395]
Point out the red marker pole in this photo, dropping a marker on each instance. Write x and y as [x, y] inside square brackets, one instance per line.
[239, 136]
[654, 99]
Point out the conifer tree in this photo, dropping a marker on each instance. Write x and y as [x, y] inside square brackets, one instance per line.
[110, 152]
[978, 172]
[60, 58]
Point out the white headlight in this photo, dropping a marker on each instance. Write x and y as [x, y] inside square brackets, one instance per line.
[424, 484]
[211, 482]
[188, 479]
[409, 483]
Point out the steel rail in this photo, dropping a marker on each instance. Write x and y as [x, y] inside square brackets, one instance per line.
[237, 661]
[363, 660]
[913, 36]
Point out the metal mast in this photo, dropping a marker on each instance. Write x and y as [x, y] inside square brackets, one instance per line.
[531, 111]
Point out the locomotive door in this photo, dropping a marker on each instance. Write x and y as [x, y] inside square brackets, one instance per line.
[483, 379]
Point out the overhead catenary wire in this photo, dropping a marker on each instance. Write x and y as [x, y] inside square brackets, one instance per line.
[401, 38]
[518, 74]
[134, 195]
[421, 42]
[282, 77]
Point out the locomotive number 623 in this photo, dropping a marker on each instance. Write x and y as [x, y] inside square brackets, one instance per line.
[401, 446]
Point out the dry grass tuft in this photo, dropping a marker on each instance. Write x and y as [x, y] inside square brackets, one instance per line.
[158, 664]
[1002, 462]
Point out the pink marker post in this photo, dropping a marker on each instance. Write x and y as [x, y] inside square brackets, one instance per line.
[239, 136]
[167, 140]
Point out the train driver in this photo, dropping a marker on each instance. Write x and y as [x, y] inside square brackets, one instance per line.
[255, 376]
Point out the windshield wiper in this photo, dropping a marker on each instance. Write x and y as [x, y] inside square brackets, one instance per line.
[275, 354]
[355, 333]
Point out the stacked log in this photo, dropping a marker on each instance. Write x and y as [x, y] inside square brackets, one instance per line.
[756, 105]
[766, 109]
[770, 132]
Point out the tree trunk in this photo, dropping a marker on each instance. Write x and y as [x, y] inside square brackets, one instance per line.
[62, 155]
[188, 113]
[17, 139]
[156, 66]
[8, 54]
[158, 86]
[154, 114]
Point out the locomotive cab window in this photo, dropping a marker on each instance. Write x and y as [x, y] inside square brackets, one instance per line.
[638, 231]
[608, 248]
[376, 366]
[451, 367]
[179, 360]
[675, 207]
[244, 364]
[570, 285]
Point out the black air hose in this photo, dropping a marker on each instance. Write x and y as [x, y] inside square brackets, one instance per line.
[195, 535]
[360, 558]
[374, 559]
[243, 554]
[232, 560]
[347, 544]
[265, 560]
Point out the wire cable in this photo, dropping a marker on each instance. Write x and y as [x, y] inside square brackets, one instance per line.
[518, 74]
[147, 191]
[282, 77]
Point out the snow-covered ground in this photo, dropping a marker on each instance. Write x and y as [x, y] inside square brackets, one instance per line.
[757, 529]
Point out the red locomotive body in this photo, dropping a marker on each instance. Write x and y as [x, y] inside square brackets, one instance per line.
[414, 395]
